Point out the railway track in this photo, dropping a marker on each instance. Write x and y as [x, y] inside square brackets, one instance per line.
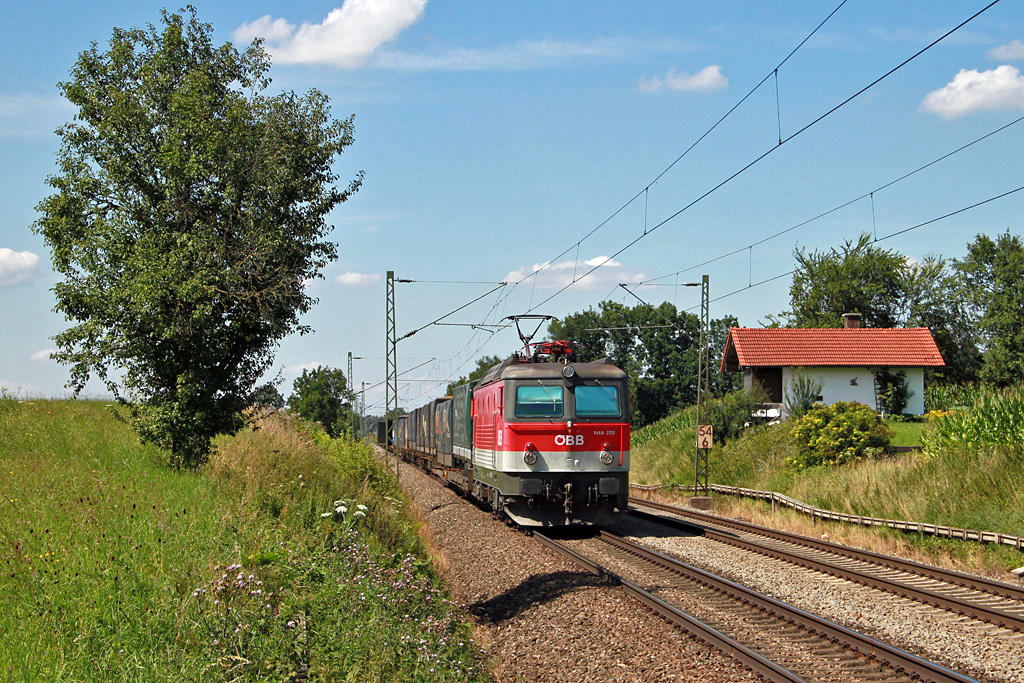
[985, 600]
[779, 642]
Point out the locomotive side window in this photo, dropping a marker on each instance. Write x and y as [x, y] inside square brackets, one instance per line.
[538, 401]
[597, 401]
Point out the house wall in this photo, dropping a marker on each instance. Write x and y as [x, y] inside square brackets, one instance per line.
[837, 385]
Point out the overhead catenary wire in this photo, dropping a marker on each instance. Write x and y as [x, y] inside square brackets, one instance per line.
[448, 282]
[404, 372]
[654, 308]
[452, 312]
[685, 152]
[630, 327]
[918, 226]
[652, 282]
[482, 326]
[767, 153]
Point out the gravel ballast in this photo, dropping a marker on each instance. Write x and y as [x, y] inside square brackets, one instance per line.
[543, 619]
[986, 652]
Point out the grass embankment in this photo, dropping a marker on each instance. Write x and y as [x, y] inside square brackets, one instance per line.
[289, 555]
[968, 486]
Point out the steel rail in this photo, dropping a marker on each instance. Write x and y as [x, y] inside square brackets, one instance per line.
[980, 583]
[759, 664]
[991, 615]
[887, 655]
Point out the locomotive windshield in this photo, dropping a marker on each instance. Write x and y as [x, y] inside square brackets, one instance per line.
[538, 400]
[597, 401]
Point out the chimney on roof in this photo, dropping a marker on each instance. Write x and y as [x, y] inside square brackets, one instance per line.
[851, 321]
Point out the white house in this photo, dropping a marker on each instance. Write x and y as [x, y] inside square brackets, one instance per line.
[845, 360]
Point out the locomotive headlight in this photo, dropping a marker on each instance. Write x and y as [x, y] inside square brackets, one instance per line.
[606, 454]
[530, 454]
[568, 371]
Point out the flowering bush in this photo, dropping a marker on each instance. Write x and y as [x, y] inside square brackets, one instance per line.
[839, 433]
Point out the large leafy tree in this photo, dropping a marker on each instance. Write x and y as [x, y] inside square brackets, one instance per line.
[932, 299]
[888, 290]
[656, 346]
[857, 277]
[993, 285]
[321, 395]
[188, 213]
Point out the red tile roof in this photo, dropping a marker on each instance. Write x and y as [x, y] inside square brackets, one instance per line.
[860, 347]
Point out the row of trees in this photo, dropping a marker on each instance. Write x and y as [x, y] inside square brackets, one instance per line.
[974, 305]
[657, 346]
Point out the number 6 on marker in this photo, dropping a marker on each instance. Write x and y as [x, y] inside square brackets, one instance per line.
[704, 438]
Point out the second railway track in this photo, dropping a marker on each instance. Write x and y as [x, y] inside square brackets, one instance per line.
[982, 599]
[798, 646]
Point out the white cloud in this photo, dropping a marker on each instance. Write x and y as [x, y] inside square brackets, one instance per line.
[16, 267]
[350, 279]
[296, 370]
[971, 91]
[557, 275]
[524, 55]
[32, 115]
[347, 38]
[271, 30]
[43, 355]
[1009, 52]
[708, 78]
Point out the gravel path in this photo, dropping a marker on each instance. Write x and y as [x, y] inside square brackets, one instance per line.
[542, 619]
[985, 652]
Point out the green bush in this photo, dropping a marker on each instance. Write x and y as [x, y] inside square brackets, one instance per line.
[733, 413]
[839, 433]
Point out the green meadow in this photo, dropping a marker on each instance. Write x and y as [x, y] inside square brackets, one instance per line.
[291, 556]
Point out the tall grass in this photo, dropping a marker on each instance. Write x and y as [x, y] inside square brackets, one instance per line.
[664, 445]
[291, 556]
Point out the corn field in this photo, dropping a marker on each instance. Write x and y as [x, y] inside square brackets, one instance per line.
[950, 396]
[996, 417]
[673, 423]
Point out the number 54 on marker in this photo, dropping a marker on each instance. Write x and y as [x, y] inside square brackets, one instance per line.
[704, 437]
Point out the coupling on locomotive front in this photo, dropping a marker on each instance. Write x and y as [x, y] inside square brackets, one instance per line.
[540, 438]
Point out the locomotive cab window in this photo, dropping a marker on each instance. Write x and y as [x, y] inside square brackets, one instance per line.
[597, 401]
[538, 400]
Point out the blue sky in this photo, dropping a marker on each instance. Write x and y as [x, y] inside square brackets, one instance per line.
[495, 137]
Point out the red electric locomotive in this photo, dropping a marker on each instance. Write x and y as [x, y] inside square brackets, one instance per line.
[541, 438]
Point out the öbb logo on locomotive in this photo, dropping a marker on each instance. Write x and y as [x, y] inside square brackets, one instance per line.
[540, 438]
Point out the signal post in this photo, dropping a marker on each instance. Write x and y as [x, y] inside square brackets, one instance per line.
[700, 499]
